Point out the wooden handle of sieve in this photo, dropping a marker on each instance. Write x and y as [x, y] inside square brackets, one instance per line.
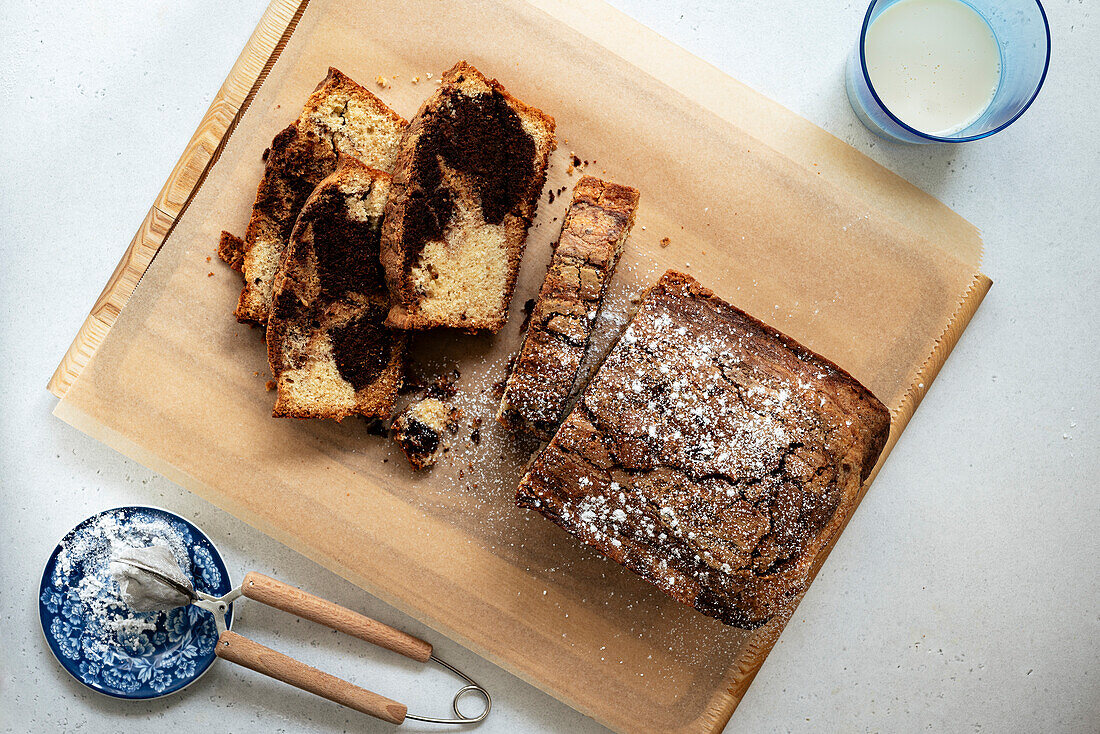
[282, 596]
[253, 655]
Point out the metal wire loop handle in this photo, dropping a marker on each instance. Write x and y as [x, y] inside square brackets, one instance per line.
[471, 687]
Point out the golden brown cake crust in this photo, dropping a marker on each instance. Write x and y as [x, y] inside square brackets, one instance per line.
[592, 238]
[328, 349]
[711, 455]
[299, 158]
[468, 175]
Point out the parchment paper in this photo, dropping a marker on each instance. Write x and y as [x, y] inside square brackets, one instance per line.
[855, 263]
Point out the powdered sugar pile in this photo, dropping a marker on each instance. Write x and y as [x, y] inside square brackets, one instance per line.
[83, 564]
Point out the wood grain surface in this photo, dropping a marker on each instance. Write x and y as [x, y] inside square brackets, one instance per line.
[302, 604]
[264, 660]
[245, 77]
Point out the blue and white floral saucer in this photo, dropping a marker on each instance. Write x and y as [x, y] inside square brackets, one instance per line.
[102, 643]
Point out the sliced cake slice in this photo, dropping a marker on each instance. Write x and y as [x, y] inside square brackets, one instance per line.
[339, 118]
[468, 176]
[711, 455]
[330, 352]
[592, 238]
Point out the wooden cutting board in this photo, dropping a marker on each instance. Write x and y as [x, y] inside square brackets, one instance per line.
[779, 217]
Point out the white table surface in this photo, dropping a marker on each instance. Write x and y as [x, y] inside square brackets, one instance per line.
[964, 595]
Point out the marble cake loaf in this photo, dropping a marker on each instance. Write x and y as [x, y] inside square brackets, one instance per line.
[592, 237]
[340, 118]
[711, 455]
[469, 172]
[329, 350]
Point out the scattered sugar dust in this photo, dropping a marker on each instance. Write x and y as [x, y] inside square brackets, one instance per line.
[472, 487]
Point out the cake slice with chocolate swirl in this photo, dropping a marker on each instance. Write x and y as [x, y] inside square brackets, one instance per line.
[340, 119]
[330, 352]
[469, 172]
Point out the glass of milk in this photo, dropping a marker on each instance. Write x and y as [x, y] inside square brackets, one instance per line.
[947, 71]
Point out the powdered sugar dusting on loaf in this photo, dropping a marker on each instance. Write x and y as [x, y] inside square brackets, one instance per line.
[708, 454]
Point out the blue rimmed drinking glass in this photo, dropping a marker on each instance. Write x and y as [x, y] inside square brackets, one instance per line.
[1023, 37]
